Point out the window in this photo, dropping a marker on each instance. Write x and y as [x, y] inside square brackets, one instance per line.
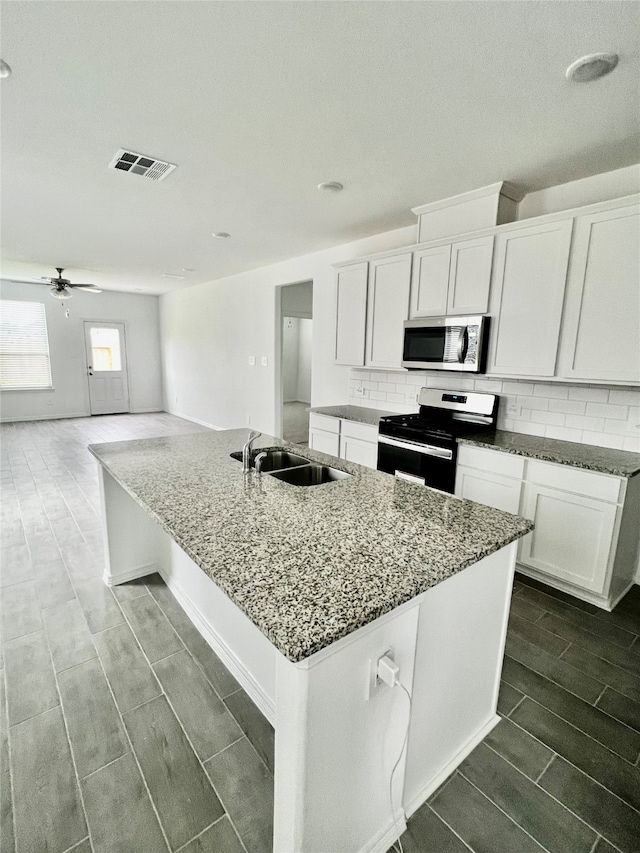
[105, 349]
[24, 345]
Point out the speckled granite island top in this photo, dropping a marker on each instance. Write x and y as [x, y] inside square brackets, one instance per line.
[620, 463]
[361, 414]
[306, 565]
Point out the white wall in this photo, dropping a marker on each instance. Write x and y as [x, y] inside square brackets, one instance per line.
[305, 335]
[70, 396]
[290, 358]
[297, 300]
[209, 331]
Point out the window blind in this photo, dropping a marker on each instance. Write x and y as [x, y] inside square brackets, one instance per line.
[24, 345]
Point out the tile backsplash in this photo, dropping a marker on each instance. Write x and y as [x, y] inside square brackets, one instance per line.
[592, 414]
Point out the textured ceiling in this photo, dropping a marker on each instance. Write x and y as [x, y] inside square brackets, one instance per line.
[403, 102]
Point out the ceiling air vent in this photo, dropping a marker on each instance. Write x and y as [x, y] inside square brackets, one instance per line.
[138, 164]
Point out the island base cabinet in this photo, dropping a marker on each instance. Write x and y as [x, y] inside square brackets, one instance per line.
[338, 731]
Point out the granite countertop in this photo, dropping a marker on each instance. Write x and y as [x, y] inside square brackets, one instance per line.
[361, 414]
[621, 463]
[306, 565]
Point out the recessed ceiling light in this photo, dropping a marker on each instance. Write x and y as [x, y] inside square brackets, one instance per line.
[331, 186]
[5, 70]
[220, 235]
[591, 67]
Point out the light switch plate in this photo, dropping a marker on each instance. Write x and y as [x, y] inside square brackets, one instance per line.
[264, 361]
[252, 361]
[360, 392]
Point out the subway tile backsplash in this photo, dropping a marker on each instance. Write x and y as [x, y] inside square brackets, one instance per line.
[591, 414]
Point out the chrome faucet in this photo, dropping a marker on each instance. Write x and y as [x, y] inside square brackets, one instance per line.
[246, 450]
[257, 462]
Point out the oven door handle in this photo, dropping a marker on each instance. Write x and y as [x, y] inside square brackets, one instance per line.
[425, 449]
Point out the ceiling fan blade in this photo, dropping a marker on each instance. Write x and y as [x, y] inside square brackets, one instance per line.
[90, 288]
[46, 281]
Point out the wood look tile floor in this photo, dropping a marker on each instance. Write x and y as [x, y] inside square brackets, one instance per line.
[123, 732]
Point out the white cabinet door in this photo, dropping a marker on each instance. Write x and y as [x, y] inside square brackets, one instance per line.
[430, 282]
[387, 309]
[325, 442]
[470, 276]
[572, 537]
[361, 452]
[351, 313]
[526, 299]
[602, 338]
[488, 488]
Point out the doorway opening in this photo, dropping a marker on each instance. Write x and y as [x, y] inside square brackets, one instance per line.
[296, 332]
[106, 368]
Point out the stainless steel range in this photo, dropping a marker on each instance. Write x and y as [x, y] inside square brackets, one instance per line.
[423, 447]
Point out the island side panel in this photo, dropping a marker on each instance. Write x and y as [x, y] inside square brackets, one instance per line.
[130, 534]
[337, 739]
[136, 545]
[459, 654]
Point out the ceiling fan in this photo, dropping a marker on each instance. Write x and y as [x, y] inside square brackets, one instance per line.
[59, 287]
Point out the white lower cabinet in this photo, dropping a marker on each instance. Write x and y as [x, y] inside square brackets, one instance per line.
[324, 434]
[350, 440]
[585, 539]
[573, 535]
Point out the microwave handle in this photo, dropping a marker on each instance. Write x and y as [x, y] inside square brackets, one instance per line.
[463, 344]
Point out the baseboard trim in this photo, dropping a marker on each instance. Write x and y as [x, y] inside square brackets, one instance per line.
[211, 636]
[131, 575]
[193, 420]
[382, 841]
[602, 601]
[434, 783]
[45, 417]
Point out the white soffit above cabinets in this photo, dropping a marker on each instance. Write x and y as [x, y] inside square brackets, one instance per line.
[258, 102]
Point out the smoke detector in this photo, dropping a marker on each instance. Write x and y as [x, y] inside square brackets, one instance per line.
[140, 164]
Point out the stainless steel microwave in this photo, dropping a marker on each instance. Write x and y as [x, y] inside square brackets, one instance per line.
[446, 343]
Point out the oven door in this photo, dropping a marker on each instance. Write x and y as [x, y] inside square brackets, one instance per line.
[425, 464]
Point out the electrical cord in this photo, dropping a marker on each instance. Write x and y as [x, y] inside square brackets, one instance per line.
[395, 766]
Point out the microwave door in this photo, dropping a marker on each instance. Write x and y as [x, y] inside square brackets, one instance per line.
[425, 345]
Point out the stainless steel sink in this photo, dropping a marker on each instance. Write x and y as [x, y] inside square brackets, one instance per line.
[275, 460]
[310, 475]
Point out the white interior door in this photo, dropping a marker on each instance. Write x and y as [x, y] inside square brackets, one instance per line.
[107, 368]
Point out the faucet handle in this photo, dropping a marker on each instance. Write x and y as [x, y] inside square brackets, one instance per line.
[254, 434]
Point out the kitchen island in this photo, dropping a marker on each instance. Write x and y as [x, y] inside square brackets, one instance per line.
[301, 591]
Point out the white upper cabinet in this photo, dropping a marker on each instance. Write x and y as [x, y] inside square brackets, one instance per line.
[430, 282]
[527, 295]
[387, 309]
[470, 276]
[452, 279]
[351, 312]
[601, 337]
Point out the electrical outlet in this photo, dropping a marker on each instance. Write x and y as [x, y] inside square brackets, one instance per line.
[514, 410]
[413, 398]
[374, 684]
[360, 391]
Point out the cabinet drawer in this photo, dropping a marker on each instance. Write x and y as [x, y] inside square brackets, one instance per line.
[493, 461]
[490, 489]
[576, 480]
[355, 429]
[324, 422]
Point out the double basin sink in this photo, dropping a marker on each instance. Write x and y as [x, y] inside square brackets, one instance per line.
[293, 469]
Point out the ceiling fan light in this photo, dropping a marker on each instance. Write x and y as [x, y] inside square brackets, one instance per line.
[60, 294]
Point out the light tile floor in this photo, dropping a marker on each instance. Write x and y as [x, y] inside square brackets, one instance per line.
[123, 732]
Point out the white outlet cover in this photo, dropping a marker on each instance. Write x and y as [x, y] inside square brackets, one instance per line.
[264, 361]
